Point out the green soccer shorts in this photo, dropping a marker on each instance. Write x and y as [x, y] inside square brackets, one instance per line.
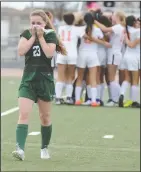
[34, 90]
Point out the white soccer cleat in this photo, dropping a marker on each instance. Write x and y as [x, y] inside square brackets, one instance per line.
[87, 103]
[57, 101]
[45, 154]
[69, 101]
[18, 154]
[111, 104]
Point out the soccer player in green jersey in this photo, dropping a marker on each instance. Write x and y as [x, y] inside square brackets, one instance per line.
[38, 45]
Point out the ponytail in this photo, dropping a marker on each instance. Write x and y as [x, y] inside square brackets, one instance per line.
[89, 20]
[88, 30]
[130, 21]
[127, 32]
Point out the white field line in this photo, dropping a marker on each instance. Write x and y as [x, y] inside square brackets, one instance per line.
[10, 111]
[35, 133]
[108, 137]
[85, 148]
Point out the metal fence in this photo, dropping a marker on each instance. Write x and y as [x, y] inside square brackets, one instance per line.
[9, 48]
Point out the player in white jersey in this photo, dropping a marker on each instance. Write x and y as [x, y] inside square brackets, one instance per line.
[88, 57]
[102, 54]
[69, 35]
[114, 53]
[131, 63]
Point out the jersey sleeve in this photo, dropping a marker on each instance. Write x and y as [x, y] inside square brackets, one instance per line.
[138, 34]
[116, 29]
[51, 38]
[26, 34]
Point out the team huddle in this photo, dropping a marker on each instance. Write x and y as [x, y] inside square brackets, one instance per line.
[99, 46]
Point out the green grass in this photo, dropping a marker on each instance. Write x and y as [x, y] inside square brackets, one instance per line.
[77, 143]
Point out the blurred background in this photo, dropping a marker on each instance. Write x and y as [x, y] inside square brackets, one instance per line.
[15, 18]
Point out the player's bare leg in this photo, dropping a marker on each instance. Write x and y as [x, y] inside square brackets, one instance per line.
[121, 76]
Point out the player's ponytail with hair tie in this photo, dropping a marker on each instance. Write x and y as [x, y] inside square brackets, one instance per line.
[89, 20]
[126, 27]
[130, 21]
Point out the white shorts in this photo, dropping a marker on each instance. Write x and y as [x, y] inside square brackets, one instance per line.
[139, 61]
[102, 55]
[114, 58]
[53, 62]
[132, 61]
[66, 60]
[122, 64]
[87, 59]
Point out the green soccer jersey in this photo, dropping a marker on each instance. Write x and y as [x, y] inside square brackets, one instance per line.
[36, 62]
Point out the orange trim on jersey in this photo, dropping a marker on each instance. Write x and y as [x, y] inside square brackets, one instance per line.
[62, 35]
[69, 35]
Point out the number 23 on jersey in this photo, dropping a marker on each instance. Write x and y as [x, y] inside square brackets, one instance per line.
[36, 51]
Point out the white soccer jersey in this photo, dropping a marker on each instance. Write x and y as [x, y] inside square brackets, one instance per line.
[97, 33]
[88, 52]
[132, 55]
[117, 38]
[134, 34]
[69, 36]
[138, 37]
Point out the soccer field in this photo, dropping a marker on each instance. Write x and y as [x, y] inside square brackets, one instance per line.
[77, 142]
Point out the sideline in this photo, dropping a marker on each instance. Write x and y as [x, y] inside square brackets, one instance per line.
[9, 111]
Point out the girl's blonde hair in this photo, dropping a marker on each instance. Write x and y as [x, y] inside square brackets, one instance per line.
[59, 47]
[122, 17]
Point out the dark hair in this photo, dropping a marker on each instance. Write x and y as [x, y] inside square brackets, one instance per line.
[89, 20]
[96, 14]
[105, 21]
[139, 19]
[130, 21]
[69, 18]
